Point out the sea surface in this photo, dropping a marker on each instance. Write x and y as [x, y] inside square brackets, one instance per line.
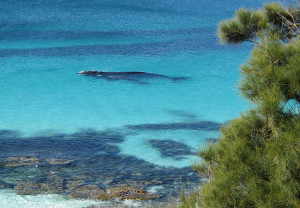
[125, 130]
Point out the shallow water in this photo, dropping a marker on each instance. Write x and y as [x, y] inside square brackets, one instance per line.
[48, 111]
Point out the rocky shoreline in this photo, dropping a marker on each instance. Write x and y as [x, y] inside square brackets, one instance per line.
[90, 165]
[77, 187]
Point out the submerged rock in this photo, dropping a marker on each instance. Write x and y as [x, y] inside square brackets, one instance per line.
[17, 161]
[27, 188]
[108, 181]
[170, 148]
[5, 185]
[128, 192]
[73, 184]
[89, 192]
[121, 192]
[139, 196]
[52, 185]
[152, 182]
[95, 163]
[134, 203]
[54, 161]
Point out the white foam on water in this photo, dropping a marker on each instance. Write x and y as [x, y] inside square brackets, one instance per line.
[155, 189]
[132, 203]
[9, 199]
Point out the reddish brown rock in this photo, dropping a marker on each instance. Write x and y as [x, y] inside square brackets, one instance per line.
[128, 192]
[116, 192]
[89, 192]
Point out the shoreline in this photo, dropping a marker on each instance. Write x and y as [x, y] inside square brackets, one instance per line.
[89, 166]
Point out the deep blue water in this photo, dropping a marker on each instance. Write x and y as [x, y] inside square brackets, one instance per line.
[48, 111]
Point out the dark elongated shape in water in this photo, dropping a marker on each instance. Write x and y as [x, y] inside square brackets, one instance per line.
[129, 76]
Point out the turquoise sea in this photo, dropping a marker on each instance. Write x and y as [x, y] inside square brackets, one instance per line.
[122, 130]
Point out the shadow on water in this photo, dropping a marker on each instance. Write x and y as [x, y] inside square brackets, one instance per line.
[136, 49]
[198, 125]
[182, 114]
[172, 149]
[194, 39]
[77, 144]
[48, 35]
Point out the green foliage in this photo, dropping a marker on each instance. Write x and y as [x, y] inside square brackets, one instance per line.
[189, 201]
[247, 25]
[271, 82]
[243, 27]
[252, 171]
[283, 19]
[275, 12]
[256, 162]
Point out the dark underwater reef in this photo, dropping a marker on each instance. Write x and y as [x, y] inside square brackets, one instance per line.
[73, 164]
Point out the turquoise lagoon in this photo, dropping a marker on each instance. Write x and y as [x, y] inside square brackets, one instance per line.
[155, 126]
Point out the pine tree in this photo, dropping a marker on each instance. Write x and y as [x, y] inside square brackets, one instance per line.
[256, 162]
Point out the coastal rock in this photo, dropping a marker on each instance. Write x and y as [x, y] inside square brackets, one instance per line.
[144, 204]
[52, 185]
[17, 161]
[5, 185]
[73, 184]
[27, 188]
[136, 173]
[116, 192]
[122, 192]
[91, 165]
[89, 192]
[54, 161]
[128, 192]
[108, 181]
